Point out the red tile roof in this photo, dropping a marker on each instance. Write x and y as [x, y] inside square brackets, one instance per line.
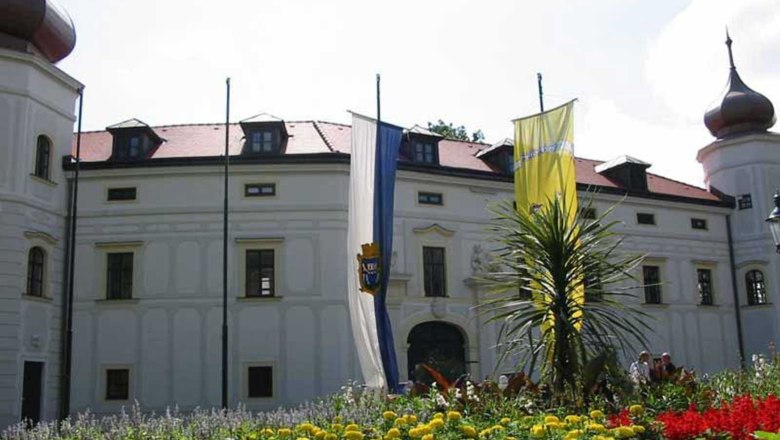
[207, 140]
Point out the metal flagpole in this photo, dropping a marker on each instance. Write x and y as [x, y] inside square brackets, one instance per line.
[225, 256]
[541, 100]
[68, 349]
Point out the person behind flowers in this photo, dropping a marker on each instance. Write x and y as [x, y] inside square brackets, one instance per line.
[668, 369]
[640, 370]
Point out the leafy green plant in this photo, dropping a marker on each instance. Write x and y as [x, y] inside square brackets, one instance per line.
[550, 258]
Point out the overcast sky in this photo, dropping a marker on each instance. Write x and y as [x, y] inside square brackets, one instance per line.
[644, 71]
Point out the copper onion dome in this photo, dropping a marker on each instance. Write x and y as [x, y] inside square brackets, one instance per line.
[742, 110]
[40, 23]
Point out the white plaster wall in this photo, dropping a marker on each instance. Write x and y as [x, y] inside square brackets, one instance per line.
[35, 99]
[170, 334]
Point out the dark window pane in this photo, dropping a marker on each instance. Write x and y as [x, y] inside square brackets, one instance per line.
[645, 219]
[36, 261]
[264, 141]
[698, 223]
[651, 277]
[756, 287]
[259, 272]
[426, 198]
[745, 201]
[119, 277]
[704, 285]
[434, 271]
[115, 194]
[42, 156]
[260, 382]
[118, 384]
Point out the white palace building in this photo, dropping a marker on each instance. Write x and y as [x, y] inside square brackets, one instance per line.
[147, 309]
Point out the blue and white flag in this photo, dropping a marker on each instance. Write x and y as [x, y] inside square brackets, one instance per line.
[370, 244]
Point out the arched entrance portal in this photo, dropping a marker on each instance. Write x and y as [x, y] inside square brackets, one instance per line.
[439, 345]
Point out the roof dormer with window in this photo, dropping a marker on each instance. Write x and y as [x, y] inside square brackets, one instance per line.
[629, 172]
[264, 134]
[133, 140]
[421, 145]
[499, 156]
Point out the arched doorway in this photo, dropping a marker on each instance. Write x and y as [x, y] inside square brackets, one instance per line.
[439, 345]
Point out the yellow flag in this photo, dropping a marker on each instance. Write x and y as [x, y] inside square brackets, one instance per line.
[544, 168]
[544, 159]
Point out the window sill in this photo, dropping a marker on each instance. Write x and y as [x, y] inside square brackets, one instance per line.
[274, 298]
[43, 299]
[708, 306]
[117, 301]
[43, 180]
[656, 305]
[757, 306]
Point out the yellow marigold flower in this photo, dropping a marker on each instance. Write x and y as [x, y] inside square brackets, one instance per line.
[505, 420]
[438, 415]
[510, 438]
[469, 431]
[538, 431]
[302, 438]
[573, 419]
[596, 414]
[320, 435]
[485, 432]
[306, 427]
[636, 410]
[596, 427]
[573, 434]
[424, 429]
[412, 418]
[599, 437]
[331, 437]
[352, 427]
[337, 426]
[393, 433]
[267, 431]
[353, 435]
[400, 422]
[551, 419]
[436, 423]
[414, 433]
[555, 425]
[453, 416]
[284, 432]
[625, 432]
[389, 415]
[639, 429]
[427, 437]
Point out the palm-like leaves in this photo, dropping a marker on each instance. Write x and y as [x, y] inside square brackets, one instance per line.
[551, 257]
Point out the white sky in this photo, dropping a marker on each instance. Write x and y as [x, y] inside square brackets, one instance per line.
[644, 71]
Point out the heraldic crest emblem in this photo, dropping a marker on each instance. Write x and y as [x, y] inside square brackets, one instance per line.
[369, 268]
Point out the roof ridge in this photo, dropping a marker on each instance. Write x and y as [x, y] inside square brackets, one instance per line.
[333, 123]
[323, 136]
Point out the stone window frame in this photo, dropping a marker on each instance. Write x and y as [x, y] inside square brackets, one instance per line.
[105, 248]
[47, 243]
[244, 244]
[245, 366]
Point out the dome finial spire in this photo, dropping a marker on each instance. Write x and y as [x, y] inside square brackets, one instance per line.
[728, 44]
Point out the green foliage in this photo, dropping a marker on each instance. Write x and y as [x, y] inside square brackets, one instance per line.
[549, 256]
[448, 130]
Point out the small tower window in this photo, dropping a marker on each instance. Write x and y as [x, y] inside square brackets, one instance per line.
[263, 141]
[36, 264]
[756, 288]
[42, 157]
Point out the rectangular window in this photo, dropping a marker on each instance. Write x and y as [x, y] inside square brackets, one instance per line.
[699, 223]
[119, 275]
[588, 213]
[121, 194]
[259, 272]
[744, 201]
[134, 147]
[42, 157]
[260, 190]
[644, 218]
[263, 141]
[427, 198]
[651, 275]
[118, 384]
[425, 152]
[260, 382]
[704, 285]
[434, 272]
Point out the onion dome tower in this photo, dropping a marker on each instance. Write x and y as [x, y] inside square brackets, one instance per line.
[741, 110]
[37, 26]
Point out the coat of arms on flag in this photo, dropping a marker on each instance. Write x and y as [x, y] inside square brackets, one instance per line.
[369, 268]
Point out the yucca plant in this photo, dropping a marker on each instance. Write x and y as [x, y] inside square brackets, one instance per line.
[546, 321]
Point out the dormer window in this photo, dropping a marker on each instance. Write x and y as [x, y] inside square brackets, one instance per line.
[626, 171]
[421, 145]
[500, 155]
[264, 134]
[263, 141]
[133, 140]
